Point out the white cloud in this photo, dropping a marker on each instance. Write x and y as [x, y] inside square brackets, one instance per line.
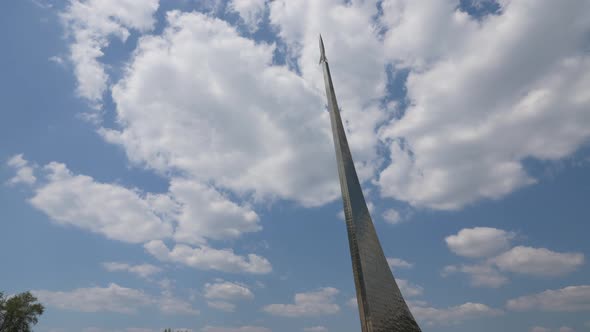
[222, 305]
[170, 305]
[225, 290]
[236, 329]
[24, 172]
[452, 315]
[251, 11]
[207, 258]
[204, 213]
[42, 4]
[572, 298]
[316, 303]
[142, 270]
[545, 329]
[540, 329]
[398, 263]
[112, 298]
[479, 241]
[352, 302]
[392, 217]
[538, 261]
[483, 95]
[108, 209]
[408, 289]
[198, 211]
[116, 212]
[129, 329]
[445, 164]
[254, 125]
[17, 161]
[58, 60]
[90, 24]
[481, 275]
[315, 329]
[482, 242]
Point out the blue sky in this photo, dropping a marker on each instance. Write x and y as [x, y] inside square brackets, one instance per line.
[170, 164]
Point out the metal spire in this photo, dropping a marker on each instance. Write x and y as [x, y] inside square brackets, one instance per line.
[322, 51]
[380, 302]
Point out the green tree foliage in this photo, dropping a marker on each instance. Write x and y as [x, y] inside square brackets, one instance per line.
[19, 313]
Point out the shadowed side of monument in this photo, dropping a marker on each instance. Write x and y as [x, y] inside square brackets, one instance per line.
[381, 305]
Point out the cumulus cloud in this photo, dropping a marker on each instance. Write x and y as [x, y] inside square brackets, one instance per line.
[571, 299]
[129, 215]
[271, 132]
[129, 329]
[481, 275]
[171, 305]
[482, 96]
[142, 270]
[316, 303]
[436, 161]
[108, 209]
[90, 24]
[99, 329]
[24, 171]
[483, 242]
[544, 329]
[251, 11]
[479, 241]
[222, 292]
[398, 263]
[204, 213]
[226, 290]
[452, 315]
[236, 329]
[392, 217]
[222, 305]
[208, 258]
[538, 261]
[315, 329]
[113, 298]
[409, 289]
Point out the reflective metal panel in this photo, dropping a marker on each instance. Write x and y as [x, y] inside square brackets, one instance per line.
[380, 302]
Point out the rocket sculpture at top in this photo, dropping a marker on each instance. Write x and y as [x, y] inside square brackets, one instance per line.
[381, 305]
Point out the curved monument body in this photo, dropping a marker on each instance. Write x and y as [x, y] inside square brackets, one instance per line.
[381, 305]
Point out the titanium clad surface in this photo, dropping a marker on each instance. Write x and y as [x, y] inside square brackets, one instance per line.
[380, 302]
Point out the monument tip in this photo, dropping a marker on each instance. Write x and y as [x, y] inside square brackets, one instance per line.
[322, 51]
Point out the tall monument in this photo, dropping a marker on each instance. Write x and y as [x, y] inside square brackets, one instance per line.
[381, 305]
